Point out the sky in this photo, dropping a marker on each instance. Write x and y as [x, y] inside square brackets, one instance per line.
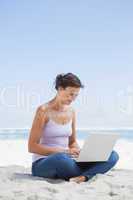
[92, 39]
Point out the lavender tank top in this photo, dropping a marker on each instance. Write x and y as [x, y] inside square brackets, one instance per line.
[54, 135]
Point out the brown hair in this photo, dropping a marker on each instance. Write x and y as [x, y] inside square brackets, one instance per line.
[67, 80]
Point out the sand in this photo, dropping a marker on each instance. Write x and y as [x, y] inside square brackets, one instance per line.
[17, 183]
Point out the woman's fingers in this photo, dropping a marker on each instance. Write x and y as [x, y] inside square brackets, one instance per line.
[75, 152]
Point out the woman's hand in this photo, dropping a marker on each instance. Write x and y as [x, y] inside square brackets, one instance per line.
[73, 151]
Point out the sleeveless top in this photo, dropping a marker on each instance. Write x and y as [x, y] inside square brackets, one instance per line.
[54, 135]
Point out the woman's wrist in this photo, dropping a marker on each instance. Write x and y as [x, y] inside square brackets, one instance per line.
[66, 150]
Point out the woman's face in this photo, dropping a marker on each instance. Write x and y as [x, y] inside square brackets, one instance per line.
[68, 94]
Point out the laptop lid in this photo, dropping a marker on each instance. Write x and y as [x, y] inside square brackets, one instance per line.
[97, 147]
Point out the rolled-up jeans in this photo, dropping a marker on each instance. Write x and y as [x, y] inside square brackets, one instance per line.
[63, 166]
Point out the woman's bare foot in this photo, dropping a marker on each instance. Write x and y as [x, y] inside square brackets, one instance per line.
[78, 179]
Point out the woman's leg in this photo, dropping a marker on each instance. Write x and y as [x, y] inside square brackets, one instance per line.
[101, 167]
[58, 165]
[91, 169]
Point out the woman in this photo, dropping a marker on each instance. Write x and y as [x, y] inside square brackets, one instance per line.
[53, 139]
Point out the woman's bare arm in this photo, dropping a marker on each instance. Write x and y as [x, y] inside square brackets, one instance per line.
[72, 139]
[38, 124]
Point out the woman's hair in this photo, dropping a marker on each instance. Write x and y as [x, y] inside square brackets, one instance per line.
[67, 80]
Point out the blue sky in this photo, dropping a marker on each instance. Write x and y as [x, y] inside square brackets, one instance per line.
[93, 39]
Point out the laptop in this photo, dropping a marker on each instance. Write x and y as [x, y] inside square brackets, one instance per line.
[97, 147]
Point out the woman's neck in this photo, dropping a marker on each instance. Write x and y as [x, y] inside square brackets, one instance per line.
[57, 105]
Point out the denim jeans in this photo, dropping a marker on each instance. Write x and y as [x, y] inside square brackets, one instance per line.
[62, 166]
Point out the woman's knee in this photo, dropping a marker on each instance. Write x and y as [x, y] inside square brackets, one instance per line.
[66, 163]
[114, 157]
[62, 157]
[61, 154]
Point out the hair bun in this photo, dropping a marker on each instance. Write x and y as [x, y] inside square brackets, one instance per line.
[58, 80]
[59, 77]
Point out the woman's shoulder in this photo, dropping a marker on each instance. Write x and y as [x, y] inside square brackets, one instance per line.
[43, 108]
[42, 112]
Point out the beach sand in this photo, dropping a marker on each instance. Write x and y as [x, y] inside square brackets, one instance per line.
[17, 183]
